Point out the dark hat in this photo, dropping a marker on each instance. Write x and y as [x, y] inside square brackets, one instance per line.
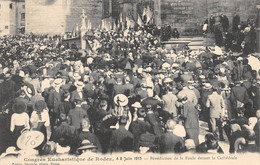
[19, 107]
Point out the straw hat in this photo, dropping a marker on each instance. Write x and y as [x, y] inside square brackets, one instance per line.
[121, 100]
[76, 76]
[137, 105]
[86, 145]
[35, 139]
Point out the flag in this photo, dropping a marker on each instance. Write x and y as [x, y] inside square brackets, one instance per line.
[128, 24]
[139, 20]
[144, 12]
[121, 17]
[73, 33]
[148, 14]
[89, 25]
[77, 32]
[114, 26]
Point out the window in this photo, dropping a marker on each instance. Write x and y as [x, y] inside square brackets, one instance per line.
[11, 6]
[23, 16]
[23, 6]
[0, 6]
[6, 27]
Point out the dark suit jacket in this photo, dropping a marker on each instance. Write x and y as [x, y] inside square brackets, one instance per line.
[168, 143]
[239, 93]
[191, 115]
[117, 137]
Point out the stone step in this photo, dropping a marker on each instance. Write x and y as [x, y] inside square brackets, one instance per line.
[181, 39]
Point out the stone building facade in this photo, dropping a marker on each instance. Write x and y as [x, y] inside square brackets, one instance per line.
[12, 16]
[246, 9]
[60, 16]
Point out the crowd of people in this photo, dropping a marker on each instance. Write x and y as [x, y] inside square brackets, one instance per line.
[126, 94]
[236, 37]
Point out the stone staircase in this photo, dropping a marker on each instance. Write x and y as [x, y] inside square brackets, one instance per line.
[196, 44]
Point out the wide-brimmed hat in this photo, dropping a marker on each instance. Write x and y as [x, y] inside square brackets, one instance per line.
[137, 105]
[121, 100]
[175, 65]
[167, 80]
[57, 82]
[79, 84]
[9, 151]
[207, 86]
[30, 139]
[86, 144]
[76, 76]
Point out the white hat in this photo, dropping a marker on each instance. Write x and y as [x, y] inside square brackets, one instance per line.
[218, 51]
[167, 80]
[140, 70]
[57, 82]
[239, 58]
[21, 73]
[121, 100]
[175, 65]
[166, 65]
[137, 105]
[79, 84]
[207, 86]
[76, 76]
[36, 138]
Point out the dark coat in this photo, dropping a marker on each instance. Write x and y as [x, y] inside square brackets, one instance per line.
[191, 116]
[76, 115]
[170, 143]
[117, 137]
[239, 93]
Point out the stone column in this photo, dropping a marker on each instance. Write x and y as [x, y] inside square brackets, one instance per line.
[258, 30]
[83, 30]
[157, 12]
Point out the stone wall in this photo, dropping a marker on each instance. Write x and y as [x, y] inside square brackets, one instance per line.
[182, 14]
[59, 16]
[93, 10]
[45, 16]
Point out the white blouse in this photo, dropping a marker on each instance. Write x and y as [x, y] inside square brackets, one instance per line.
[19, 120]
[45, 118]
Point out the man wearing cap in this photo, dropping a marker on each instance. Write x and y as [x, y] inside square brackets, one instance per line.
[78, 93]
